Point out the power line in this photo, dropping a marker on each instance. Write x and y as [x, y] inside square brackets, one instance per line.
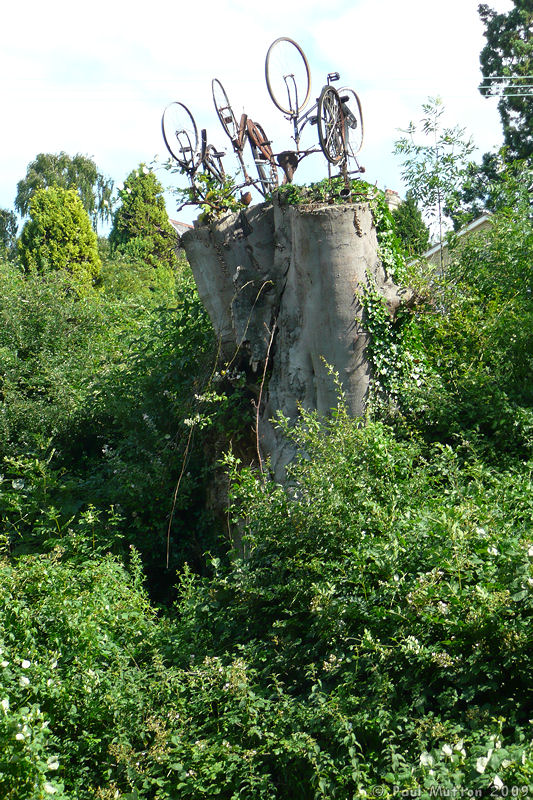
[507, 77]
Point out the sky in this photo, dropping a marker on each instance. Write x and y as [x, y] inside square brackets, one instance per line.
[95, 78]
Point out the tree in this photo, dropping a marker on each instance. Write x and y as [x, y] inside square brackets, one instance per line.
[8, 231]
[141, 228]
[410, 226]
[434, 166]
[79, 173]
[58, 236]
[507, 66]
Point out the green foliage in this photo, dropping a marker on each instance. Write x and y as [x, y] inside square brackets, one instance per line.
[410, 226]
[333, 191]
[75, 639]
[212, 196]
[141, 230]
[92, 399]
[58, 236]
[475, 360]
[507, 65]
[384, 594]
[61, 170]
[8, 233]
[434, 164]
[479, 190]
[374, 641]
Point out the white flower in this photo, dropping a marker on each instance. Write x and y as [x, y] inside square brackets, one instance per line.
[4, 663]
[52, 763]
[426, 759]
[146, 170]
[530, 551]
[25, 664]
[447, 750]
[459, 746]
[5, 704]
[497, 782]
[24, 681]
[492, 551]
[49, 789]
[19, 737]
[482, 761]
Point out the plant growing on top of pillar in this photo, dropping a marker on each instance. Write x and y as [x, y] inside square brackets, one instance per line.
[434, 162]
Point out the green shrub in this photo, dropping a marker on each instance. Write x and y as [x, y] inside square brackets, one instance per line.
[59, 236]
[387, 596]
[141, 230]
[474, 360]
[75, 641]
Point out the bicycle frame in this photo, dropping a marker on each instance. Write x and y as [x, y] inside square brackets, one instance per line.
[300, 121]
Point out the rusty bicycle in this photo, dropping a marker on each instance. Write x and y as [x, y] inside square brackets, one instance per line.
[335, 113]
[191, 151]
[242, 132]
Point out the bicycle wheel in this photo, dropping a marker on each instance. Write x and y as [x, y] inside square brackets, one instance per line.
[263, 158]
[224, 110]
[180, 134]
[258, 138]
[331, 125]
[287, 75]
[353, 117]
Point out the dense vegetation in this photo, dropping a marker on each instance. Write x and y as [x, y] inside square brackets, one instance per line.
[375, 638]
[369, 636]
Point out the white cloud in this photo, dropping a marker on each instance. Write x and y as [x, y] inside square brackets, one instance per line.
[96, 80]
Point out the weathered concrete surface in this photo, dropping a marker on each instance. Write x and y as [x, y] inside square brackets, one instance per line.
[302, 270]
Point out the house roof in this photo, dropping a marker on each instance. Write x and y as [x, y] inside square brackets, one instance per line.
[480, 222]
[180, 227]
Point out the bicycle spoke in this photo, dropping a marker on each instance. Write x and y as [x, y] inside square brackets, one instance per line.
[180, 134]
[331, 125]
[287, 75]
[224, 109]
[353, 116]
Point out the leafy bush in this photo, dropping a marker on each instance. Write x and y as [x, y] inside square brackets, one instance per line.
[385, 603]
[75, 639]
[141, 230]
[59, 236]
[94, 392]
[474, 352]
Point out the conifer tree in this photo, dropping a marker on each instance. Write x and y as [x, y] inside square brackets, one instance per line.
[59, 236]
[141, 228]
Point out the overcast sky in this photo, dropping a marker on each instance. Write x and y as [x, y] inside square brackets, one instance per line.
[94, 78]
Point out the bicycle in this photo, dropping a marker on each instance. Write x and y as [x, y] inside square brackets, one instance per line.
[241, 132]
[288, 80]
[210, 187]
[181, 138]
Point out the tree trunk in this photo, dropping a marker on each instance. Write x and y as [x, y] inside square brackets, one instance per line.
[284, 283]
